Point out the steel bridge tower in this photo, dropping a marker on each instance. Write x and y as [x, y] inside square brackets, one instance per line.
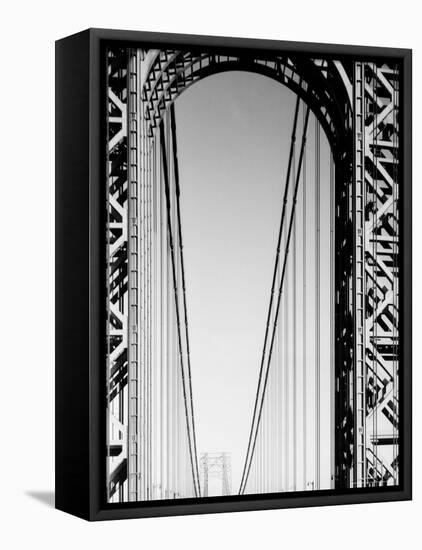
[216, 465]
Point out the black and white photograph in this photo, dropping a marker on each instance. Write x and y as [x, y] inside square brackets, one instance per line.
[252, 258]
[210, 282]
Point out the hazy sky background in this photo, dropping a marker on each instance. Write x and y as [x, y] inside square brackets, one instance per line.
[234, 133]
[233, 138]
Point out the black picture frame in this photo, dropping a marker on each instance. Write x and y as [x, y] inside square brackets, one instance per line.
[80, 285]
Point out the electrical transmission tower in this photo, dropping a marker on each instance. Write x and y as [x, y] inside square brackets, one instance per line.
[216, 465]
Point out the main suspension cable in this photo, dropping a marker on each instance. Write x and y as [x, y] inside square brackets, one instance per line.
[182, 263]
[286, 190]
[170, 234]
[280, 290]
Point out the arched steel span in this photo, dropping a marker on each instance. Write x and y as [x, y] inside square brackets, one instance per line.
[319, 83]
[356, 104]
[325, 86]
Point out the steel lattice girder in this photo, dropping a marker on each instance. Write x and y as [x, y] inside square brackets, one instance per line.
[117, 269]
[381, 135]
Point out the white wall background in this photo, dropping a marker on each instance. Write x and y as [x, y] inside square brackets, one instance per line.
[28, 31]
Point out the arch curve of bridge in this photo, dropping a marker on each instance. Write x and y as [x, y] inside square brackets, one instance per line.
[319, 83]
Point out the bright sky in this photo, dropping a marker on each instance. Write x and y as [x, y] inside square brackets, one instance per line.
[233, 149]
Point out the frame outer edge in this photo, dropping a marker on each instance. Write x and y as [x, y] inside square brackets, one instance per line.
[96, 270]
[71, 331]
[406, 280]
[212, 505]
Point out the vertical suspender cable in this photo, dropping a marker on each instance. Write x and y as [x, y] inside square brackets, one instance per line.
[149, 324]
[160, 325]
[317, 304]
[331, 322]
[143, 324]
[169, 351]
[150, 338]
[146, 329]
[285, 299]
[294, 356]
[277, 451]
[156, 365]
[304, 331]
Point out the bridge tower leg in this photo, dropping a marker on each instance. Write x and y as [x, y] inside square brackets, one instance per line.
[374, 395]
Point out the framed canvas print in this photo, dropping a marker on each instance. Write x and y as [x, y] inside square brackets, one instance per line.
[233, 274]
